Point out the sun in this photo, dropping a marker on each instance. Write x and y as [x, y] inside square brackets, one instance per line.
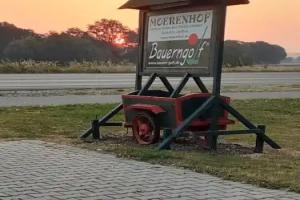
[120, 40]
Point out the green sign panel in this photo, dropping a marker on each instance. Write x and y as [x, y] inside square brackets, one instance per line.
[179, 42]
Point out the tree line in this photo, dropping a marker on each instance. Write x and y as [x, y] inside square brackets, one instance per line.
[110, 41]
[291, 60]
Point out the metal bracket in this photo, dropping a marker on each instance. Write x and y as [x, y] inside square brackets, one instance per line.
[260, 136]
[167, 84]
[148, 84]
[200, 84]
[180, 86]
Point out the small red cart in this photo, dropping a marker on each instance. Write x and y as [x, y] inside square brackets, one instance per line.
[147, 115]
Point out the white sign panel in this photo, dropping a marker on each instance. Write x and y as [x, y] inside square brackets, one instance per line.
[180, 26]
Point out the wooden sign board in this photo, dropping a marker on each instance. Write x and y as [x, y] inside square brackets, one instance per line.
[177, 42]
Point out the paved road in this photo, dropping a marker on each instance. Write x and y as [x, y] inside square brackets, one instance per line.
[38, 170]
[61, 81]
[91, 99]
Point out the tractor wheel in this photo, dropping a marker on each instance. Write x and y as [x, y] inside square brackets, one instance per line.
[145, 128]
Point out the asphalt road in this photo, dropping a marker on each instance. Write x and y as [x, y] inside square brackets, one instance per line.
[91, 99]
[76, 81]
[81, 81]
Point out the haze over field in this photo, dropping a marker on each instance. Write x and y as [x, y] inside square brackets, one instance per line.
[267, 20]
[293, 54]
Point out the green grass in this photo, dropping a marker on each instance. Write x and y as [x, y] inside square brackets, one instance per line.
[43, 122]
[273, 169]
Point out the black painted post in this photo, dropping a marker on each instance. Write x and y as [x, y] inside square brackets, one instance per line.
[212, 137]
[221, 14]
[96, 129]
[259, 147]
[138, 82]
[139, 76]
[166, 134]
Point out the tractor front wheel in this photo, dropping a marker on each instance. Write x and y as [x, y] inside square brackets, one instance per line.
[145, 128]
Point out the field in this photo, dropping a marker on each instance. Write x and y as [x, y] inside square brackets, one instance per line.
[273, 169]
[264, 68]
[31, 66]
[72, 67]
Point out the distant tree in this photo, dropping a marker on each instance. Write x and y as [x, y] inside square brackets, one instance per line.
[265, 53]
[109, 40]
[130, 55]
[111, 31]
[9, 33]
[76, 32]
[132, 38]
[288, 60]
[24, 49]
[237, 53]
[59, 47]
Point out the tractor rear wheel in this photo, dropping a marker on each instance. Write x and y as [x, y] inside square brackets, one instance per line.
[145, 128]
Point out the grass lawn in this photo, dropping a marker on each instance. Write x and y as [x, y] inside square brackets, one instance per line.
[273, 169]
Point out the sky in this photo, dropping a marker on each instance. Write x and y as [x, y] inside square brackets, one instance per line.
[273, 21]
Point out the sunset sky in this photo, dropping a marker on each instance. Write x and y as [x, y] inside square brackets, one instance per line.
[274, 21]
